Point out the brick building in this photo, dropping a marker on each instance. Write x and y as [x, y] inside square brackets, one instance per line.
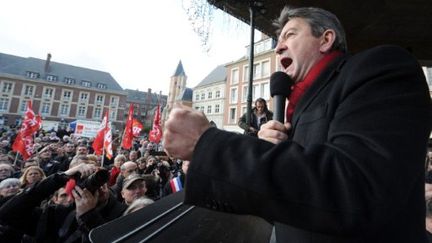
[61, 93]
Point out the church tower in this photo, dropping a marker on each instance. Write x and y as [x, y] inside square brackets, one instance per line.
[177, 86]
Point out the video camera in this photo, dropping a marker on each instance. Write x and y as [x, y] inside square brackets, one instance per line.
[94, 181]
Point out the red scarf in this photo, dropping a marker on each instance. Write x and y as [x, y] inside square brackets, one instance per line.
[300, 88]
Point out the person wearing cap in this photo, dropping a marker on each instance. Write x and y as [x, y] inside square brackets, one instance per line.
[134, 187]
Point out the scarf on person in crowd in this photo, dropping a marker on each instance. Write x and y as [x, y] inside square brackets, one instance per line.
[301, 87]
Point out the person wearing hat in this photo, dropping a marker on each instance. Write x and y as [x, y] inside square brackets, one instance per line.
[134, 187]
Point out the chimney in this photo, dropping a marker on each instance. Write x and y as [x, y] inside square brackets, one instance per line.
[47, 62]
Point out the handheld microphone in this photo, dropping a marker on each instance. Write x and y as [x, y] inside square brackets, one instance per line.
[280, 89]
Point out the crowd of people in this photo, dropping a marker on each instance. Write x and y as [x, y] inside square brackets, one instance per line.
[64, 190]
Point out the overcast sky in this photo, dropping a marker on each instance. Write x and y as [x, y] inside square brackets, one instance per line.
[139, 42]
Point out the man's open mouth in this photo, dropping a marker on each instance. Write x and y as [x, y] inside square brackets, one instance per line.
[285, 62]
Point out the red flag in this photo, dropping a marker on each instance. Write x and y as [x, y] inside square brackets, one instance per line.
[99, 139]
[24, 140]
[128, 132]
[136, 127]
[155, 134]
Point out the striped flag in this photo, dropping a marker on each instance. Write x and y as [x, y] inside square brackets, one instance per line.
[176, 184]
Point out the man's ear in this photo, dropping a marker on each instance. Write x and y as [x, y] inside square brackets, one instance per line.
[327, 40]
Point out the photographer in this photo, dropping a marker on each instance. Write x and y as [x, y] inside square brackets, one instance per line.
[22, 214]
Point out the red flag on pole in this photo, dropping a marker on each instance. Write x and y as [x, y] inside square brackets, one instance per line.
[98, 142]
[23, 143]
[155, 134]
[128, 132]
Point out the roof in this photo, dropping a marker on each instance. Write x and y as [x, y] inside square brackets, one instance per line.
[15, 65]
[367, 23]
[141, 96]
[218, 74]
[186, 95]
[179, 71]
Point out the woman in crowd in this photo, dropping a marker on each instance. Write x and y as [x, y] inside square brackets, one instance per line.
[31, 175]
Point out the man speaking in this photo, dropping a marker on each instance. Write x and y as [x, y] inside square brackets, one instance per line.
[348, 163]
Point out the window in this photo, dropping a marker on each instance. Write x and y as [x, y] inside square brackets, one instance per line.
[245, 93]
[232, 115]
[265, 91]
[23, 106]
[255, 92]
[202, 108]
[197, 97]
[83, 97]
[4, 103]
[233, 95]
[101, 86]
[67, 95]
[7, 87]
[210, 95]
[64, 109]
[209, 109]
[81, 111]
[256, 71]
[114, 100]
[69, 80]
[265, 69]
[52, 78]
[246, 74]
[28, 90]
[113, 115]
[203, 96]
[197, 108]
[33, 75]
[97, 113]
[45, 108]
[217, 94]
[86, 83]
[217, 107]
[48, 93]
[99, 99]
[234, 76]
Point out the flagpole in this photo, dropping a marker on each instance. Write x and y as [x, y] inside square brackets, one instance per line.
[16, 158]
[103, 155]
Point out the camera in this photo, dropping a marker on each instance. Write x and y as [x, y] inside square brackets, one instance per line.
[94, 181]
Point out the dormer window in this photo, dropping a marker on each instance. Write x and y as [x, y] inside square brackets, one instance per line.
[86, 83]
[101, 86]
[52, 78]
[69, 80]
[33, 75]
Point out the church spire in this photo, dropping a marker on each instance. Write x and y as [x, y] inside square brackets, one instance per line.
[179, 71]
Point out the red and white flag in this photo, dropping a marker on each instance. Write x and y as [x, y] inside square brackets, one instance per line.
[103, 139]
[108, 142]
[23, 143]
[128, 132]
[155, 134]
[136, 127]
